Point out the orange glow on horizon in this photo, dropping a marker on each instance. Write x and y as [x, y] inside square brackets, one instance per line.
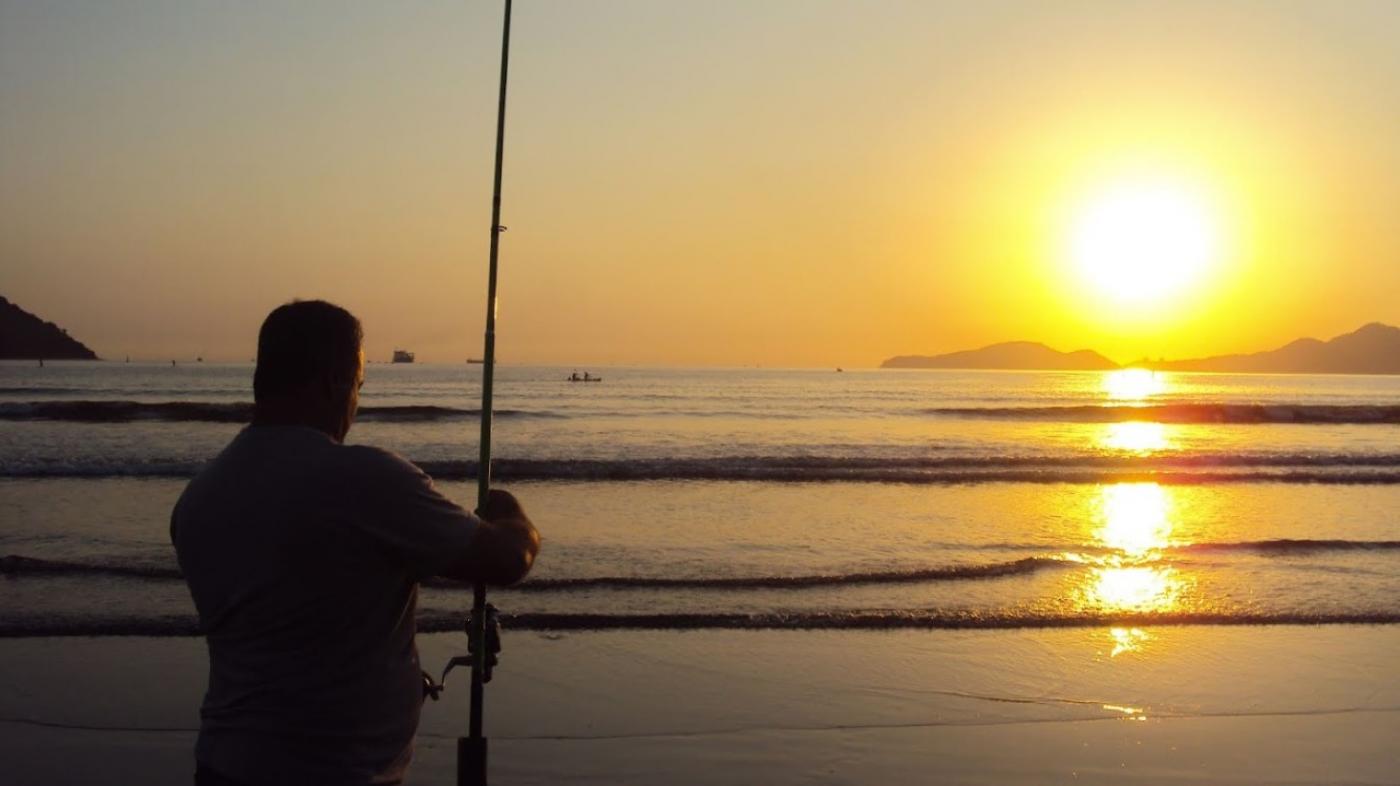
[1176, 181]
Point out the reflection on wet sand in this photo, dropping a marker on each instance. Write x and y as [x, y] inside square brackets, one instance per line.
[1127, 640]
[1133, 713]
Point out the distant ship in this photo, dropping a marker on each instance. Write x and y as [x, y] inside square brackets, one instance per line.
[403, 356]
[574, 377]
[477, 361]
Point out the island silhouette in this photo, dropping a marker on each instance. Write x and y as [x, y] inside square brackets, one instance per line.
[24, 336]
[1019, 355]
[1371, 349]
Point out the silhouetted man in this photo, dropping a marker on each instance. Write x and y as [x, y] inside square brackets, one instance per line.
[303, 556]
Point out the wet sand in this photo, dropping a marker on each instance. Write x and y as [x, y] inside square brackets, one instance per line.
[1162, 705]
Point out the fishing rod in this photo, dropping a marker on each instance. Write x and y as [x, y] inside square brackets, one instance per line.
[483, 631]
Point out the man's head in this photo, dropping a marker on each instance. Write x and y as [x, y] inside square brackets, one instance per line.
[310, 367]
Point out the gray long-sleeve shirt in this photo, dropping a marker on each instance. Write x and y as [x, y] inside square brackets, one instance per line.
[303, 558]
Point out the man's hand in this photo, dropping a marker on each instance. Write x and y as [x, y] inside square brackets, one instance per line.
[503, 549]
[501, 504]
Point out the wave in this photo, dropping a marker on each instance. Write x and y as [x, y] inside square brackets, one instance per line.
[914, 576]
[222, 412]
[1187, 413]
[183, 391]
[43, 390]
[1346, 470]
[923, 619]
[20, 565]
[893, 620]
[1287, 546]
[1382, 469]
[122, 411]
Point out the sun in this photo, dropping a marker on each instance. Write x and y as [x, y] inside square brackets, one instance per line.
[1139, 242]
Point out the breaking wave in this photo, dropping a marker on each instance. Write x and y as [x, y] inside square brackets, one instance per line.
[114, 411]
[919, 575]
[20, 565]
[1325, 468]
[222, 412]
[1187, 413]
[926, 619]
[1285, 546]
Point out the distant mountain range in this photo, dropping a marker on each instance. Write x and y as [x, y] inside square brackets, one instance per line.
[24, 336]
[1008, 355]
[1372, 349]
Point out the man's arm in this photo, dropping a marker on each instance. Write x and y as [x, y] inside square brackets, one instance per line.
[430, 533]
[503, 548]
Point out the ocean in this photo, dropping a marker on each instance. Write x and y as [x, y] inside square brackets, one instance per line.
[768, 498]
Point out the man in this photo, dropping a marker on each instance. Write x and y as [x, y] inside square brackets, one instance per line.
[303, 556]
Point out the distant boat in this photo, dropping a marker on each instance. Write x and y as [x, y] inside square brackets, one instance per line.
[477, 361]
[403, 356]
[574, 377]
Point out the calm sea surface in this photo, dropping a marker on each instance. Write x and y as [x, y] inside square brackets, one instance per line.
[674, 498]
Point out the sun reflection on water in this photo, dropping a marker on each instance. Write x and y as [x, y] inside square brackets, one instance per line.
[1134, 526]
[1133, 384]
[1135, 518]
[1135, 436]
[1136, 589]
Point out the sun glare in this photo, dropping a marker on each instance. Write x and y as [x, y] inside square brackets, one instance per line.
[1139, 242]
[1135, 436]
[1136, 518]
[1133, 384]
[1136, 523]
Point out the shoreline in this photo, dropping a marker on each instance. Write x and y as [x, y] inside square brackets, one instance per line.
[1153, 705]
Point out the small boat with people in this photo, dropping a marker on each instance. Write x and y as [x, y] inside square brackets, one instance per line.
[574, 377]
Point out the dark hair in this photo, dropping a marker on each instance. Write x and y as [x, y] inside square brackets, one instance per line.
[304, 341]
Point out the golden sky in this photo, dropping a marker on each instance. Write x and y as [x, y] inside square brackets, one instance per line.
[777, 183]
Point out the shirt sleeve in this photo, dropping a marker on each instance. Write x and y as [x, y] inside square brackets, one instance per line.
[403, 511]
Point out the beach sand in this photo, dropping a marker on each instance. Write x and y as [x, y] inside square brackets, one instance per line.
[1161, 705]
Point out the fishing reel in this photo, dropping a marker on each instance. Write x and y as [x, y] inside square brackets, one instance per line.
[492, 639]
